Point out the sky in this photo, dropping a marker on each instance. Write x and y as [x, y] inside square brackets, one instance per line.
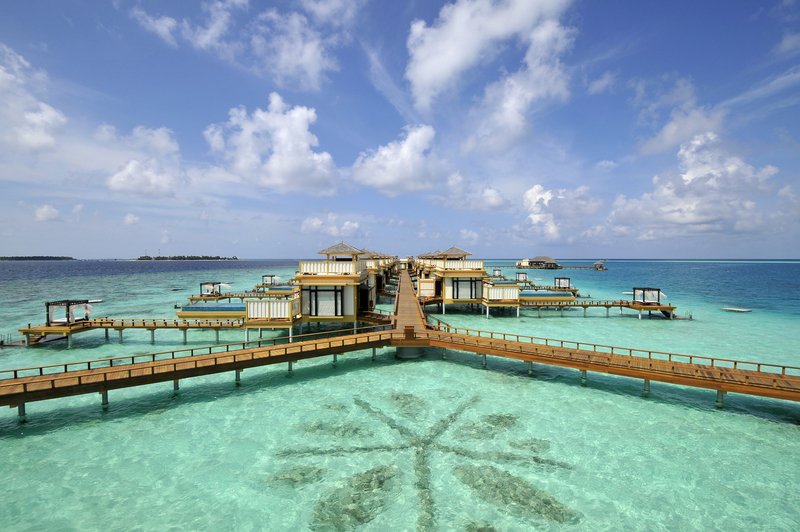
[509, 128]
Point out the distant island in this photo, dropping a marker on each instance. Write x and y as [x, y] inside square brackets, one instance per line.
[188, 257]
[38, 257]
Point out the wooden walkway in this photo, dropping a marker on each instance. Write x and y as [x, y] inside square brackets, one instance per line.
[409, 329]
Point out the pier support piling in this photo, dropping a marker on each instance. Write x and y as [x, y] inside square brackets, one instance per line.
[484, 361]
[104, 399]
[540, 311]
[246, 334]
[444, 311]
[175, 385]
[184, 336]
[640, 313]
[259, 332]
[487, 312]
[290, 335]
[562, 311]
[720, 400]
[518, 312]
[335, 359]
[646, 387]
[290, 367]
[106, 335]
[238, 377]
[120, 336]
[530, 368]
[584, 312]
[69, 341]
[373, 354]
[216, 336]
[152, 336]
[21, 416]
[444, 353]
[583, 377]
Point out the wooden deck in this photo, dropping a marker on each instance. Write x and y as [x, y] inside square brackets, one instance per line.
[409, 328]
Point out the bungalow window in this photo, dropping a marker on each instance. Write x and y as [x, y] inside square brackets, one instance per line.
[466, 288]
[324, 301]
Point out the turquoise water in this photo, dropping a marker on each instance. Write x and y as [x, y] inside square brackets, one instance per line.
[430, 443]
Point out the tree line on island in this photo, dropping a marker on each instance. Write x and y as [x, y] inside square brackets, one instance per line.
[188, 257]
[37, 257]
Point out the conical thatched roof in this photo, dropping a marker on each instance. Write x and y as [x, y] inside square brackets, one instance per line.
[455, 252]
[340, 249]
[542, 258]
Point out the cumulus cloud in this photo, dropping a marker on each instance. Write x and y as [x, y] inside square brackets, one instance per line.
[603, 83]
[148, 178]
[161, 26]
[682, 126]
[330, 226]
[25, 122]
[466, 33]
[272, 148]
[686, 119]
[506, 102]
[46, 213]
[402, 166]
[291, 51]
[714, 193]
[130, 219]
[470, 237]
[294, 50]
[551, 210]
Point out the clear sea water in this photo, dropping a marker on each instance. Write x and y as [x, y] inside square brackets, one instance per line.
[430, 443]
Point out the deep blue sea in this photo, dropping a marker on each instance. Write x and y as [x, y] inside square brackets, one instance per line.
[427, 444]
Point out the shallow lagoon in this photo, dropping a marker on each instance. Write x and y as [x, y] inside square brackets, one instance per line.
[431, 443]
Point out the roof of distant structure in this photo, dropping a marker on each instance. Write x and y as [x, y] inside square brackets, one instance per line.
[542, 258]
[454, 251]
[340, 249]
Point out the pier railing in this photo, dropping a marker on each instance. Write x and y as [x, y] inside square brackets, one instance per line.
[70, 367]
[627, 351]
[332, 267]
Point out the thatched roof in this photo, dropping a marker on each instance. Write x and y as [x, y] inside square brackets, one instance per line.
[542, 258]
[455, 252]
[340, 249]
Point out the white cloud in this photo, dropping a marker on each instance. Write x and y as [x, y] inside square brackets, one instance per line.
[165, 238]
[603, 83]
[506, 102]
[465, 34]
[218, 23]
[402, 166]
[291, 51]
[162, 26]
[130, 219]
[605, 165]
[768, 88]
[492, 200]
[471, 237]
[683, 126]
[25, 122]
[552, 210]
[46, 213]
[272, 148]
[333, 12]
[77, 209]
[295, 52]
[715, 193]
[147, 178]
[330, 226]
[789, 45]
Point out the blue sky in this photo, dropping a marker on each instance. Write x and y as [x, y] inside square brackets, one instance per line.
[510, 128]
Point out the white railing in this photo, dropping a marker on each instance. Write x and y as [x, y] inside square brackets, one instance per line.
[502, 292]
[460, 264]
[330, 267]
[426, 287]
[283, 309]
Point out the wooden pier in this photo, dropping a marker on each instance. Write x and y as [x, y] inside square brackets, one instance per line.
[408, 332]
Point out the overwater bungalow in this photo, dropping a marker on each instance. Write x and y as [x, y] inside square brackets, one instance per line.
[448, 277]
[540, 262]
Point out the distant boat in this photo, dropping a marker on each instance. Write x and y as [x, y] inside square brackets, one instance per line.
[176, 289]
[736, 309]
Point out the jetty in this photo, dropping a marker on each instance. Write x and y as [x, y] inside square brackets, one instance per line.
[409, 330]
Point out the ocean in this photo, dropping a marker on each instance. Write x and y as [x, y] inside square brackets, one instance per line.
[435, 443]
